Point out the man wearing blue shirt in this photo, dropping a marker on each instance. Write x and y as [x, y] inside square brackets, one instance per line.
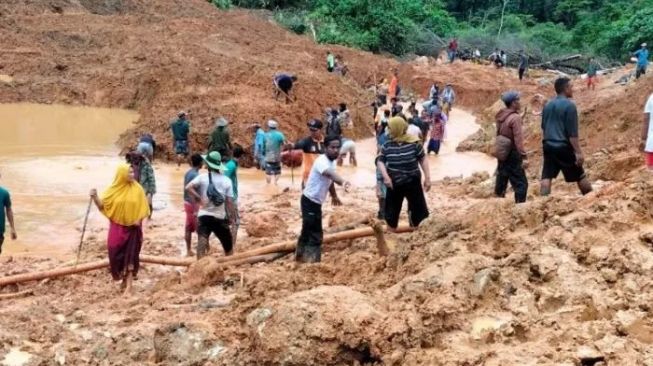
[642, 61]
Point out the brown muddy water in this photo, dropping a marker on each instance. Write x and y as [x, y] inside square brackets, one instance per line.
[51, 155]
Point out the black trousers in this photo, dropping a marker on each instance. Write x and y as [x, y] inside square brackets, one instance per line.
[309, 244]
[219, 227]
[412, 191]
[521, 73]
[511, 170]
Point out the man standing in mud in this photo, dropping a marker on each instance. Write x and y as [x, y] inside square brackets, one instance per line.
[320, 181]
[180, 130]
[511, 168]
[560, 142]
[5, 207]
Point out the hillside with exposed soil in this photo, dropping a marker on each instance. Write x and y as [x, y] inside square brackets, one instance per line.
[561, 280]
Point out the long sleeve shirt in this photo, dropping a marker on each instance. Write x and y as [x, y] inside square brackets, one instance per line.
[509, 124]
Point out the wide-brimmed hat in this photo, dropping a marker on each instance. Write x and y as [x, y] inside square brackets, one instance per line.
[273, 124]
[221, 122]
[214, 160]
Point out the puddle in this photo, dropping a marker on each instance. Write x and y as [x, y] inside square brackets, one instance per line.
[50, 156]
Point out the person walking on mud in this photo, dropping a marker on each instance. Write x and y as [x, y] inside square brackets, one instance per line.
[393, 89]
[512, 160]
[144, 174]
[312, 146]
[180, 130]
[320, 181]
[647, 133]
[523, 64]
[191, 205]
[231, 172]
[220, 139]
[642, 60]
[560, 141]
[125, 205]
[448, 99]
[217, 213]
[452, 50]
[592, 71]
[6, 212]
[399, 163]
[274, 141]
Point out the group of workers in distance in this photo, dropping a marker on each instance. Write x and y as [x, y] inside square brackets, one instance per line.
[402, 168]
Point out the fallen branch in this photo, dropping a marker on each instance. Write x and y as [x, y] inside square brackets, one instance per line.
[58, 272]
[263, 254]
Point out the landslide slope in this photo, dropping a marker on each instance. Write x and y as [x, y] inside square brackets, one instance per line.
[161, 56]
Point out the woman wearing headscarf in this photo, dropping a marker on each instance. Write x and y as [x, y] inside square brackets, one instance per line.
[125, 205]
[399, 162]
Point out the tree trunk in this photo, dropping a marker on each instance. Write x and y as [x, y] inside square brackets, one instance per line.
[503, 12]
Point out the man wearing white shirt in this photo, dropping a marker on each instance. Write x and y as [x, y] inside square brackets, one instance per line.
[320, 181]
[647, 134]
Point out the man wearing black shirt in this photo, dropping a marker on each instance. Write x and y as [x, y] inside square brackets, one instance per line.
[561, 147]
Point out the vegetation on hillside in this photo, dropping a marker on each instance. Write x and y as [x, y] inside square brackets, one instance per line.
[610, 29]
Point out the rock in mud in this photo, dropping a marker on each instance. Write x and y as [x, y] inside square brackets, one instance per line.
[184, 344]
[483, 278]
[205, 272]
[167, 282]
[327, 325]
[265, 224]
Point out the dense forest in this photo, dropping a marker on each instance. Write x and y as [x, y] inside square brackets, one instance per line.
[608, 29]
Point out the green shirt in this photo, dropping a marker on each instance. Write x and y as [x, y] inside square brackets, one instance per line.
[331, 60]
[147, 180]
[231, 167]
[592, 69]
[180, 129]
[220, 139]
[5, 203]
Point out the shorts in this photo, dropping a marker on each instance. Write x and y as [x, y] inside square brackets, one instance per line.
[348, 146]
[273, 168]
[561, 158]
[329, 69]
[413, 193]
[592, 80]
[145, 148]
[191, 216]
[649, 160]
[181, 147]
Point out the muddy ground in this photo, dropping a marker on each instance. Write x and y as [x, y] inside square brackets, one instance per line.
[562, 280]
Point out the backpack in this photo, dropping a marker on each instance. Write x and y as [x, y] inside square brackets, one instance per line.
[216, 198]
[502, 144]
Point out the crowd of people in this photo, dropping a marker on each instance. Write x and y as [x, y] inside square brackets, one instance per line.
[405, 137]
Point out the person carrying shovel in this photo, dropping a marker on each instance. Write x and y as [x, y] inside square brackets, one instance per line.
[283, 83]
